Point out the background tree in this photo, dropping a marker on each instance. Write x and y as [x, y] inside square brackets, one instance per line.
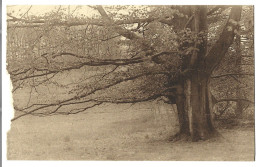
[123, 54]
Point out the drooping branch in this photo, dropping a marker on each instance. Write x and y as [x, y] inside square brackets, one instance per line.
[50, 64]
[87, 92]
[78, 110]
[57, 108]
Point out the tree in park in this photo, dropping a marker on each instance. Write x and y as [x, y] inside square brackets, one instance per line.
[70, 62]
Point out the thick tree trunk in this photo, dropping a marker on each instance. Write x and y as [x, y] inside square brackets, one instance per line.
[193, 99]
[195, 109]
[202, 126]
[195, 106]
[182, 112]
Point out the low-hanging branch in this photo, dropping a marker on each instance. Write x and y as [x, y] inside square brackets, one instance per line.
[82, 109]
[70, 101]
[15, 74]
[50, 63]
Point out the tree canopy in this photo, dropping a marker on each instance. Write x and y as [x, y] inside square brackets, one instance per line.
[73, 58]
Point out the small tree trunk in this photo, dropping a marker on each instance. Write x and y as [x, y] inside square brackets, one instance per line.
[239, 105]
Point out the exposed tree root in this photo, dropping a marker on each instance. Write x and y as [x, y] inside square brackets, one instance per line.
[179, 137]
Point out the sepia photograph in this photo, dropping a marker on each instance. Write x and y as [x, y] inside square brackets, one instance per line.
[131, 82]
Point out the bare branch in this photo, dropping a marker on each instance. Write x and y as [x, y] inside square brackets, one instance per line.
[124, 32]
[115, 81]
[189, 21]
[232, 74]
[223, 110]
[18, 76]
[235, 100]
[26, 11]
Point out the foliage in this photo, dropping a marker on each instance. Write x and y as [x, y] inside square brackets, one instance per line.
[116, 54]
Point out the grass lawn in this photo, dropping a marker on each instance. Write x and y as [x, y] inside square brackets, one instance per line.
[120, 132]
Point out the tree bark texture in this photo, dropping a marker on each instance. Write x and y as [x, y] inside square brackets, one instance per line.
[194, 101]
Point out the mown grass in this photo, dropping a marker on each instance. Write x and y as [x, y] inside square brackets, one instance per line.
[117, 132]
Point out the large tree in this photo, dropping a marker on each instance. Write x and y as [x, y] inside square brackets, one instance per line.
[121, 54]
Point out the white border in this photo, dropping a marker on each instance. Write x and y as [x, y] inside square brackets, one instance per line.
[131, 2]
[6, 108]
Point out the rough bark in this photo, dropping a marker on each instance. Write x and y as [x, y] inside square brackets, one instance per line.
[182, 112]
[194, 101]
